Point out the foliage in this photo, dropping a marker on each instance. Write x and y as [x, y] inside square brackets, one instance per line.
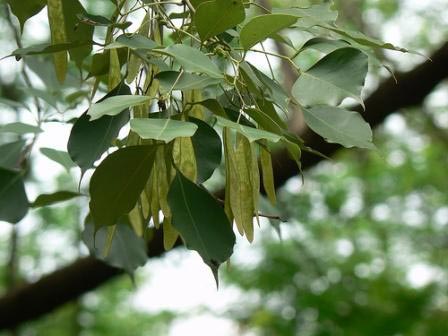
[365, 252]
[182, 72]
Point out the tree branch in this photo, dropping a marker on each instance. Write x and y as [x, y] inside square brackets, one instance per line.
[34, 300]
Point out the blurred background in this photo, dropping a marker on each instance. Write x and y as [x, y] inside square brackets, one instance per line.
[363, 251]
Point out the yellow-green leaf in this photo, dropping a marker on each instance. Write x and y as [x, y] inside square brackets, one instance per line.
[267, 174]
[184, 157]
[58, 35]
[114, 69]
[241, 195]
[154, 199]
[170, 234]
[136, 220]
[254, 176]
[228, 155]
[193, 97]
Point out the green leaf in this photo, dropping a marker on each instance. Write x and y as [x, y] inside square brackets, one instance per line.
[11, 153]
[267, 173]
[266, 88]
[127, 250]
[266, 122]
[364, 40]
[20, 128]
[13, 200]
[192, 59]
[45, 48]
[90, 139]
[252, 134]
[186, 81]
[207, 148]
[338, 75]
[213, 106]
[26, 9]
[56, 197]
[261, 27]
[76, 32]
[201, 222]
[338, 125]
[100, 64]
[294, 151]
[114, 105]
[162, 129]
[313, 15]
[133, 41]
[48, 97]
[58, 156]
[216, 16]
[118, 182]
[12, 103]
[324, 45]
[196, 3]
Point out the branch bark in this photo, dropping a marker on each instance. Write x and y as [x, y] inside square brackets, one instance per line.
[31, 301]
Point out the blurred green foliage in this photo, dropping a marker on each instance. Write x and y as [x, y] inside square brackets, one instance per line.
[366, 250]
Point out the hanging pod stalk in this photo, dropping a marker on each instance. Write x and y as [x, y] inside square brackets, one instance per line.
[228, 156]
[267, 173]
[58, 35]
[241, 193]
[184, 157]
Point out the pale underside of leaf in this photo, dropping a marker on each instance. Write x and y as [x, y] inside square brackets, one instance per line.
[162, 129]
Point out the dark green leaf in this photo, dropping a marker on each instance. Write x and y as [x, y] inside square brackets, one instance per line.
[207, 148]
[10, 154]
[213, 106]
[267, 87]
[56, 197]
[76, 32]
[45, 48]
[118, 182]
[26, 9]
[13, 199]
[261, 27]
[265, 122]
[364, 40]
[338, 75]
[324, 45]
[90, 139]
[201, 221]
[216, 16]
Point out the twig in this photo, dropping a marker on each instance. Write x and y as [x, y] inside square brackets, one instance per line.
[26, 78]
